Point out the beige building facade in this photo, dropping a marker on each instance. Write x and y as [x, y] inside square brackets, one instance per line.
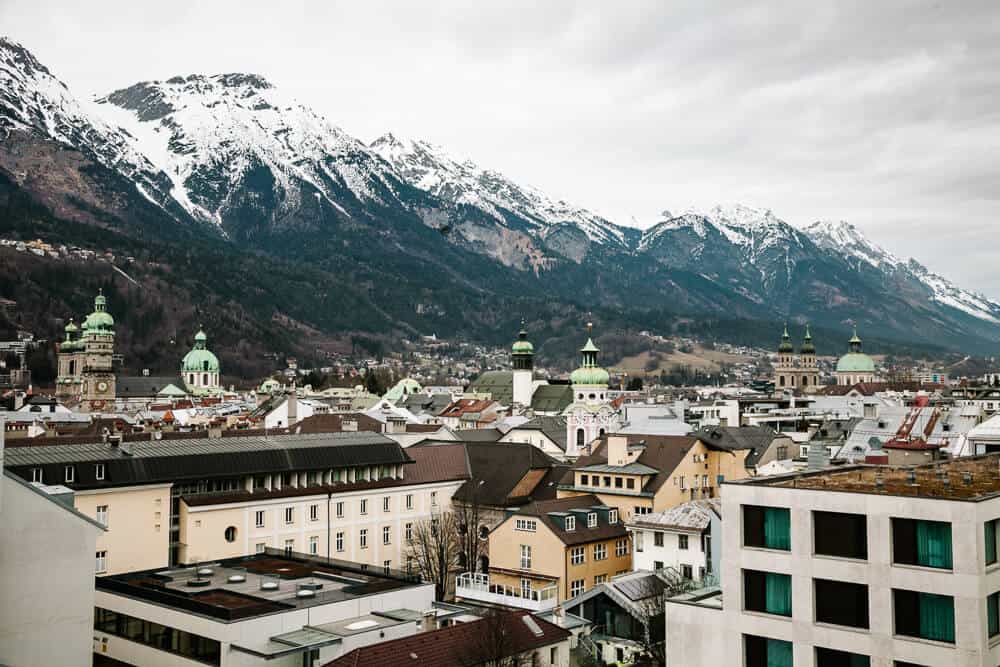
[137, 522]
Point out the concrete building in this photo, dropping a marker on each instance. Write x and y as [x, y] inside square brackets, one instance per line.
[47, 552]
[862, 565]
[277, 608]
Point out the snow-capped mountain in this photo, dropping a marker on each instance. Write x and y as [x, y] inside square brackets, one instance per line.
[463, 182]
[237, 150]
[35, 103]
[847, 240]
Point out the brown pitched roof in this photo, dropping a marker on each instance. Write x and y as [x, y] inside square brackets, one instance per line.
[662, 452]
[462, 644]
[334, 423]
[582, 534]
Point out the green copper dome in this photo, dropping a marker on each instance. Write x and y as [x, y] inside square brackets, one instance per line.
[855, 361]
[71, 328]
[786, 342]
[589, 373]
[200, 359]
[807, 343]
[522, 345]
[99, 321]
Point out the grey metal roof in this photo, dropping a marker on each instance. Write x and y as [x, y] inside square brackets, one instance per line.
[630, 469]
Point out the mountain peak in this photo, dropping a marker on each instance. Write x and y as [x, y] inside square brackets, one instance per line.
[15, 54]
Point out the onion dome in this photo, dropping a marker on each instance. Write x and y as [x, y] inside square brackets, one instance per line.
[522, 345]
[200, 359]
[786, 342]
[589, 373]
[99, 321]
[807, 343]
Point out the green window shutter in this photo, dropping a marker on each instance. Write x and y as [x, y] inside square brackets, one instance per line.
[937, 617]
[990, 530]
[778, 594]
[777, 528]
[779, 653]
[993, 614]
[934, 544]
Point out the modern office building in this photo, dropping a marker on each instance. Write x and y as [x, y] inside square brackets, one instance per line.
[863, 565]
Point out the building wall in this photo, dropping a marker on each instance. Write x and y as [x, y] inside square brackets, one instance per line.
[670, 554]
[536, 438]
[46, 581]
[969, 582]
[138, 528]
[705, 466]
[203, 528]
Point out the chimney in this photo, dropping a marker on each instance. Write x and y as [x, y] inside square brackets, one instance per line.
[617, 450]
[428, 622]
[293, 408]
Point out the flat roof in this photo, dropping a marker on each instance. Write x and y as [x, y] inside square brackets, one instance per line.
[237, 589]
[970, 478]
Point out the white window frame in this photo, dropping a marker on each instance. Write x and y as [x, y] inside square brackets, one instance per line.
[339, 543]
[613, 516]
[434, 498]
[290, 544]
[363, 538]
[340, 509]
[409, 501]
[525, 556]
[591, 519]
[600, 552]
[570, 524]
[682, 542]
[578, 556]
[364, 506]
[314, 512]
[101, 561]
[385, 504]
[102, 515]
[37, 475]
[409, 532]
[313, 544]
[260, 547]
[289, 515]
[526, 525]
[576, 587]
[99, 472]
[259, 518]
[621, 547]
[69, 474]
[386, 534]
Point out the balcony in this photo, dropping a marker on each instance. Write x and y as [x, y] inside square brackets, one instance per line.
[477, 586]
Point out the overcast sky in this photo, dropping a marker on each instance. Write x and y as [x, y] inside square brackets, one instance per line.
[885, 114]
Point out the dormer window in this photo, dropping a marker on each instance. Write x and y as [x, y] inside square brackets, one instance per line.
[591, 519]
[36, 475]
[570, 524]
[613, 517]
[70, 474]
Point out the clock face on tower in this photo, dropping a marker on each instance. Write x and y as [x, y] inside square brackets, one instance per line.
[102, 386]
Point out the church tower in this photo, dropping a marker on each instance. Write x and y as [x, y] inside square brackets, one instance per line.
[98, 386]
[200, 367]
[590, 415]
[807, 363]
[784, 371]
[522, 354]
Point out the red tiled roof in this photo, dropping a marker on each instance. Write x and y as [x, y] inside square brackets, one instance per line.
[462, 644]
[464, 405]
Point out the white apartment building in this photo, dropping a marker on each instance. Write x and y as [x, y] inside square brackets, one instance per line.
[877, 566]
[679, 538]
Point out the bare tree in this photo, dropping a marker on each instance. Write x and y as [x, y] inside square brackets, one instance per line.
[652, 615]
[492, 643]
[468, 513]
[434, 549]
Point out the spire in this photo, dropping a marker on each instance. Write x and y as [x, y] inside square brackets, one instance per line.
[855, 343]
[807, 343]
[522, 351]
[786, 342]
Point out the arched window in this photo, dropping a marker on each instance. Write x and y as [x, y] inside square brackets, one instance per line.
[579, 437]
[204, 379]
[72, 366]
[204, 365]
[781, 380]
[601, 433]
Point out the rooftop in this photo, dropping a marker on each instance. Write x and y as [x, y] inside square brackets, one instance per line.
[692, 515]
[971, 478]
[237, 589]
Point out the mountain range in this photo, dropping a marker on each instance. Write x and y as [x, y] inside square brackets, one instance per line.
[400, 236]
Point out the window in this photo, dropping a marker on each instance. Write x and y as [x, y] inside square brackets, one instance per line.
[841, 603]
[600, 579]
[767, 592]
[434, 498]
[600, 551]
[364, 506]
[290, 545]
[682, 483]
[629, 483]
[591, 519]
[409, 501]
[313, 544]
[638, 540]
[613, 517]
[764, 652]
[99, 471]
[386, 564]
[102, 515]
[314, 512]
[827, 657]
[607, 480]
[990, 531]
[259, 518]
[340, 542]
[577, 555]
[575, 588]
[385, 504]
[639, 511]
[924, 615]
[386, 534]
[554, 655]
[409, 532]
[230, 534]
[101, 564]
[36, 475]
[841, 535]
[584, 480]
[621, 547]
[363, 538]
[570, 524]
[767, 527]
[161, 637]
[528, 525]
[686, 572]
[657, 564]
[525, 556]
[682, 542]
[260, 547]
[993, 614]
[340, 510]
[289, 515]
[618, 482]
[69, 474]
[923, 543]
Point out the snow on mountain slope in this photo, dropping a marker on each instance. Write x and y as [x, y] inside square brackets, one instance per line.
[33, 100]
[218, 136]
[432, 169]
[846, 239]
